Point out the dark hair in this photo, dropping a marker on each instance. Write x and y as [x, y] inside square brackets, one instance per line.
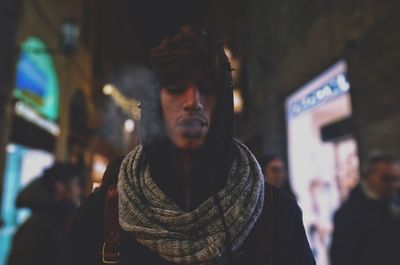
[375, 158]
[192, 49]
[266, 159]
[60, 172]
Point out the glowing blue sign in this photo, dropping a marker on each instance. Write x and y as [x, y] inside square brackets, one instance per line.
[36, 81]
[337, 86]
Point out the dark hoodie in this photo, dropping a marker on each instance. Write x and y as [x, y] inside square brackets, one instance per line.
[209, 172]
[41, 238]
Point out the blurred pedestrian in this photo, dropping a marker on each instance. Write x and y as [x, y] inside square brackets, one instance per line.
[190, 193]
[52, 198]
[275, 173]
[367, 226]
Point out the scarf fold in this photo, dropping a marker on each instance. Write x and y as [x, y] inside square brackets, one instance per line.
[195, 237]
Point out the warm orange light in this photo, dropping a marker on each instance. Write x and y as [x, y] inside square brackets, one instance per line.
[99, 166]
[235, 63]
[237, 101]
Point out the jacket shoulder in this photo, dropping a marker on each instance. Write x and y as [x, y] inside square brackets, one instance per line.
[353, 206]
[86, 234]
[280, 198]
[93, 205]
[89, 214]
[288, 234]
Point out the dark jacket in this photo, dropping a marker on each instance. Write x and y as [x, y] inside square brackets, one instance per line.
[366, 232]
[210, 165]
[279, 230]
[41, 239]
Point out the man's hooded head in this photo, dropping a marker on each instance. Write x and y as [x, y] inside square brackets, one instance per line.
[190, 58]
[190, 106]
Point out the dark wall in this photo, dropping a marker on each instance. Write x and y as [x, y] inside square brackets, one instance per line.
[126, 30]
[287, 43]
[374, 71]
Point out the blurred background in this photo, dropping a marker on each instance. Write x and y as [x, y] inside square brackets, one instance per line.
[316, 83]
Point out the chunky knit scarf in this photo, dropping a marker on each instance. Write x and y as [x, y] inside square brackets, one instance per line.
[196, 237]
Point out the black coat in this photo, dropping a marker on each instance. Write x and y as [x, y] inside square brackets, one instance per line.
[366, 232]
[287, 236]
[39, 241]
[42, 238]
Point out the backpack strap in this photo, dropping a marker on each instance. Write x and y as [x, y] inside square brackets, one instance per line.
[111, 228]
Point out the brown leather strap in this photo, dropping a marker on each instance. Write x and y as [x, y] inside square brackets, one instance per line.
[111, 228]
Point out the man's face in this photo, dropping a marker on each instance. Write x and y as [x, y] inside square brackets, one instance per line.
[187, 109]
[275, 172]
[385, 179]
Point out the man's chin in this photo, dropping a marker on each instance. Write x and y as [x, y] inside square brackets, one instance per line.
[189, 144]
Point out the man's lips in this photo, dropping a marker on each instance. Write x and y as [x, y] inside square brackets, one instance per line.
[192, 127]
[192, 122]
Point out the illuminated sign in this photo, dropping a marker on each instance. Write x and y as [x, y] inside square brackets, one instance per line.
[335, 87]
[36, 81]
[321, 172]
[29, 114]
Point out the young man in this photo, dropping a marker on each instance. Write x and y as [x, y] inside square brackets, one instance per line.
[190, 194]
[367, 226]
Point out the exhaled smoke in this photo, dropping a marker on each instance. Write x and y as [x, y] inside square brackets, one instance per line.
[140, 83]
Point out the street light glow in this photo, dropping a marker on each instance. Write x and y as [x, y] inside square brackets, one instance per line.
[129, 125]
[237, 101]
[108, 89]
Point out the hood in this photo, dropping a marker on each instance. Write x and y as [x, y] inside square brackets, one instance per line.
[37, 197]
[34, 196]
[214, 158]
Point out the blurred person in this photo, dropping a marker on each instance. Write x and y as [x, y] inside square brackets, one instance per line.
[367, 226]
[275, 173]
[189, 193]
[52, 198]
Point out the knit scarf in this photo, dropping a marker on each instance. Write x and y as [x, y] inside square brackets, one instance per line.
[196, 237]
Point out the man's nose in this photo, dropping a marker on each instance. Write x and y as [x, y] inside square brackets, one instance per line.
[192, 98]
